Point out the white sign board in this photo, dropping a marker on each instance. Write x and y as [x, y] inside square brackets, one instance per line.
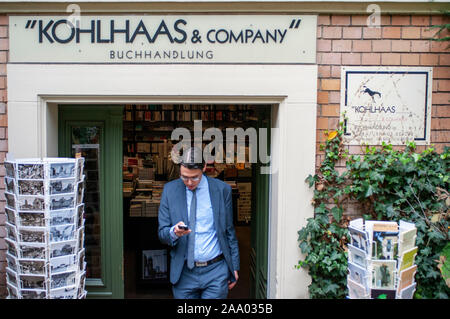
[386, 104]
[284, 39]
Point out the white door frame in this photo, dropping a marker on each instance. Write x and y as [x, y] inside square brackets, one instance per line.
[35, 90]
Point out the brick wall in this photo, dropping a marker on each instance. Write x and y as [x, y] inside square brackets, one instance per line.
[400, 41]
[4, 45]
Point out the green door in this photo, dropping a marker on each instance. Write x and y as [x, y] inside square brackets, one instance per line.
[96, 132]
[260, 217]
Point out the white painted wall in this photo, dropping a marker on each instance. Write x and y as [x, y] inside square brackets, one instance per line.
[34, 89]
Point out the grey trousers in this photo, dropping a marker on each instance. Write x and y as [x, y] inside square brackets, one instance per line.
[210, 282]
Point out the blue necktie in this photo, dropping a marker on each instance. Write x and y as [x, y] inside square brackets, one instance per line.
[191, 238]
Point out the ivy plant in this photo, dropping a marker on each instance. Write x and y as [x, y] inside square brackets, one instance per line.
[387, 184]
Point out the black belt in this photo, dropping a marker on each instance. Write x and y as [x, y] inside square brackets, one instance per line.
[209, 262]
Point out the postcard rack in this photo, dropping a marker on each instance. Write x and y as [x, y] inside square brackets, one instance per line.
[45, 228]
[381, 260]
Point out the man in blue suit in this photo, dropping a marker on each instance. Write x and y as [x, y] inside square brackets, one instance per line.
[196, 219]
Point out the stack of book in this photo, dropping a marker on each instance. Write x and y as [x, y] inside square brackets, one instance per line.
[381, 260]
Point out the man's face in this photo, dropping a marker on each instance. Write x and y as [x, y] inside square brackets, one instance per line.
[191, 177]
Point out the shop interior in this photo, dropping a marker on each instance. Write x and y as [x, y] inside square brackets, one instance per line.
[147, 166]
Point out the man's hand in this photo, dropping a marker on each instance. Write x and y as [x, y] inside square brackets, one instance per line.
[180, 232]
[232, 284]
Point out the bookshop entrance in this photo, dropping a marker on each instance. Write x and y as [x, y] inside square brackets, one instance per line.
[147, 166]
[128, 150]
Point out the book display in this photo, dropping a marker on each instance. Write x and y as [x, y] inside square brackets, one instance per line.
[45, 228]
[381, 260]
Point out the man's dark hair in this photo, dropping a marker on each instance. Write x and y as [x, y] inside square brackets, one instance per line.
[192, 158]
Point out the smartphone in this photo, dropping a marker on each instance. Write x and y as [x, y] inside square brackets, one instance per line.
[183, 227]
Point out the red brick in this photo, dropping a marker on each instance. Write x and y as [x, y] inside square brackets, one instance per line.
[351, 58]
[441, 110]
[342, 45]
[359, 20]
[3, 120]
[332, 32]
[362, 46]
[401, 45]
[441, 98]
[324, 71]
[439, 19]
[330, 110]
[371, 58]
[401, 20]
[323, 45]
[340, 20]
[441, 72]
[420, 46]
[3, 31]
[429, 59]
[440, 136]
[442, 123]
[436, 46]
[323, 20]
[390, 58]
[352, 33]
[3, 145]
[410, 59]
[420, 20]
[4, 44]
[2, 82]
[334, 97]
[336, 70]
[381, 45]
[4, 20]
[444, 59]
[434, 85]
[411, 33]
[428, 33]
[443, 85]
[329, 58]
[371, 33]
[322, 123]
[331, 84]
[391, 32]
[322, 97]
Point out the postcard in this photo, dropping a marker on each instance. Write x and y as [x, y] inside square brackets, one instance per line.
[384, 245]
[31, 187]
[34, 294]
[62, 248]
[62, 217]
[10, 201]
[355, 290]
[62, 170]
[63, 264]
[31, 203]
[407, 236]
[62, 186]
[11, 262]
[10, 185]
[63, 279]
[13, 292]
[62, 201]
[32, 219]
[11, 232]
[358, 274]
[10, 216]
[32, 235]
[64, 293]
[80, 192]
[30, 171]
[62, 233]
[382, 294]
[80, 168]
[36, 267]
[10, 169]
[11, 276]
[33, 251]
[407, 259]
[11, 247]
[359, 238]
[383, 273]
[406, 277]
[32, 282]
[357, 256]
[408, 292]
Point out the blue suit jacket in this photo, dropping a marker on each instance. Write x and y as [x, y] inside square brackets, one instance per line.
[173, 209]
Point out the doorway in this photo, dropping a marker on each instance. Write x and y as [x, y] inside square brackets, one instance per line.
[143, 167]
